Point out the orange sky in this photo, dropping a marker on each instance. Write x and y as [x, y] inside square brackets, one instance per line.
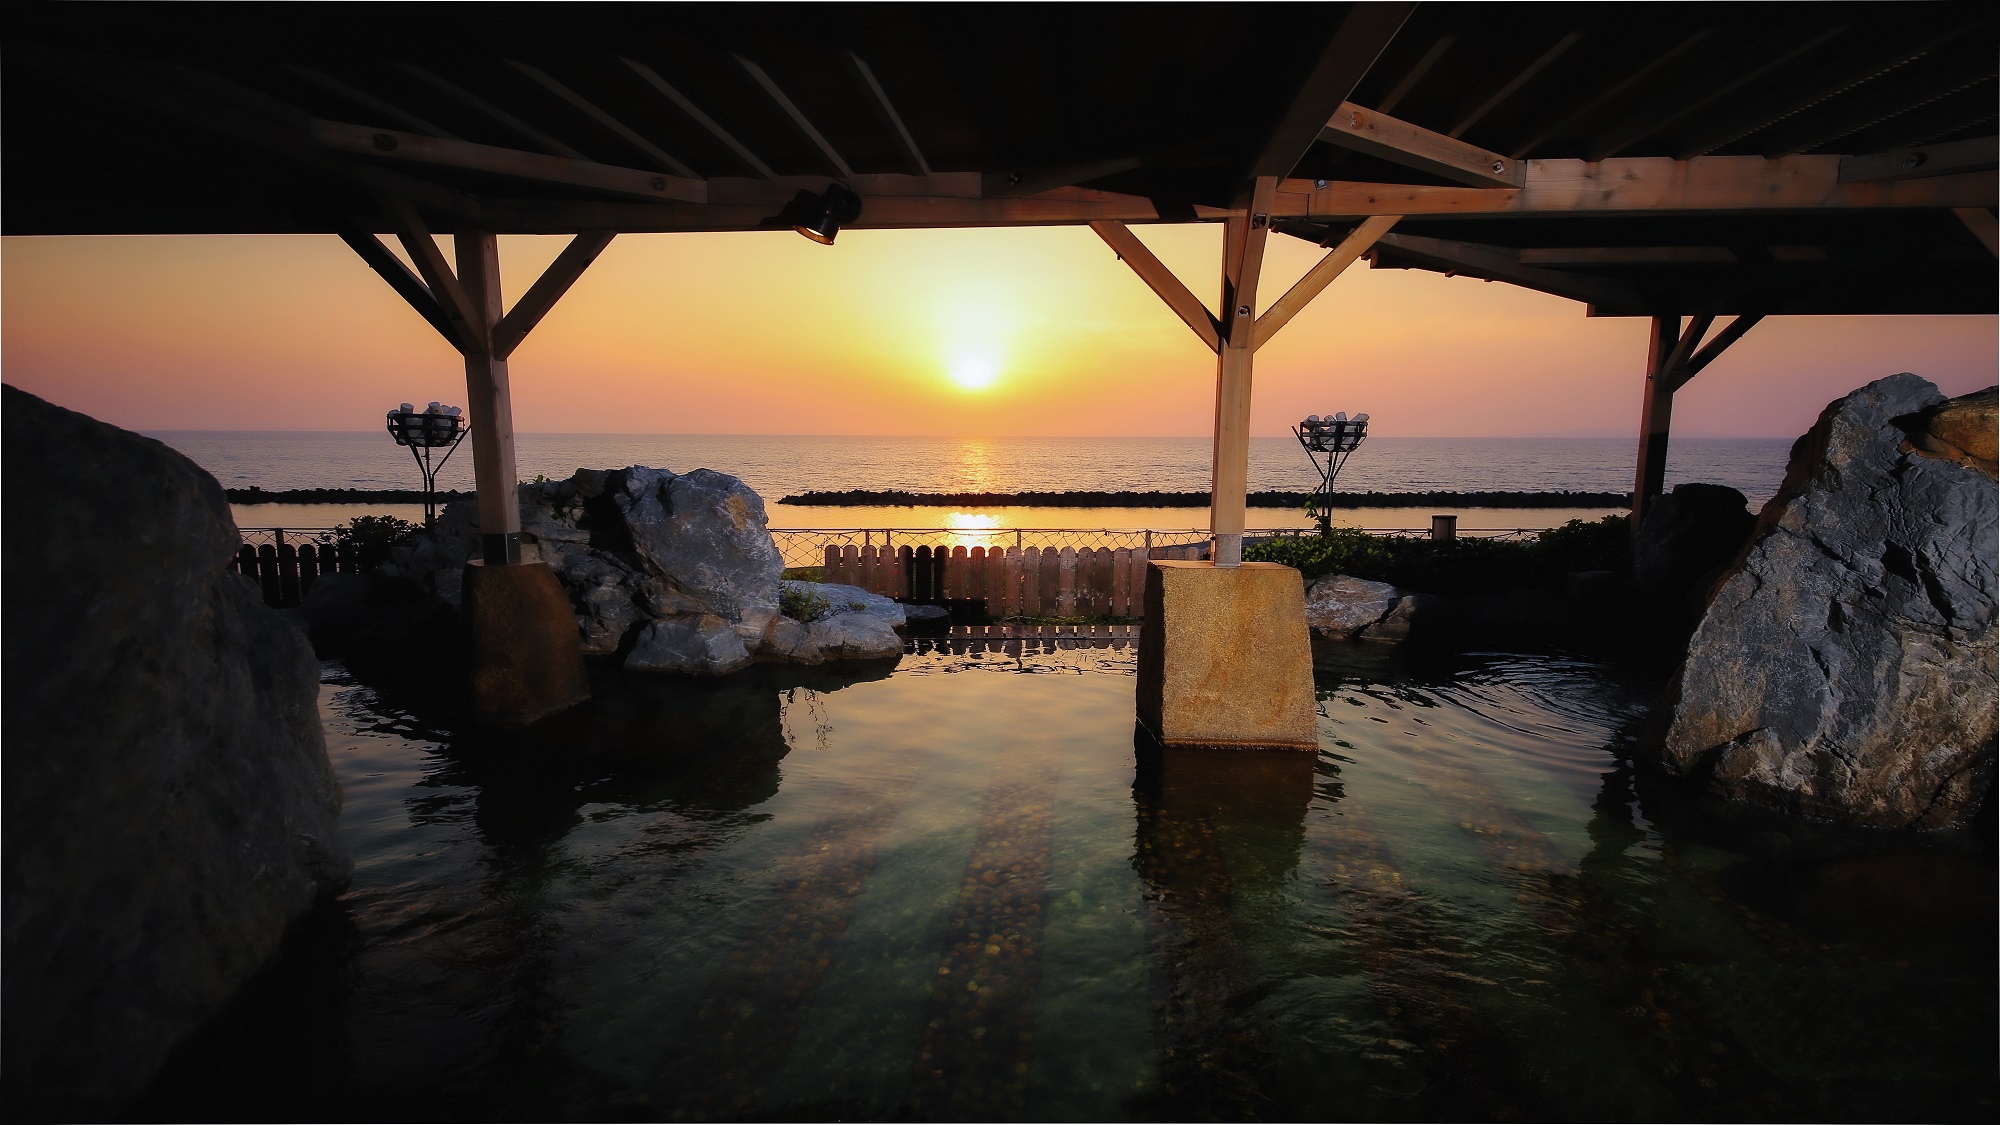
[769, 333]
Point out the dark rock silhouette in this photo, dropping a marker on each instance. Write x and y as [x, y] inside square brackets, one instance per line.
[169, 808]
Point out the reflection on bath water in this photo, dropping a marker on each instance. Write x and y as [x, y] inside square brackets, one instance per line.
[953, 890]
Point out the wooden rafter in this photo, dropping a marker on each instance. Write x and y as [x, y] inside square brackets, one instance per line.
[1162, 281]
[492, 112]
[652, 78]
[361, 140]
[547, 290]
[1895, 93]
[1415, 74]
[591, 110]
[1500, 264]
[1521, 78]
[364, 98]
[1823, 79]
[1706, 87]
[797, 115]
[1625, 255]
[1980, 222]
[1590, 108]
[1413, 146]
[1321, 275]
[888, 110]
[1355, 46]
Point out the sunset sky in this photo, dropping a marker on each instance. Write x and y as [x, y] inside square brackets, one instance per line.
[948, 332]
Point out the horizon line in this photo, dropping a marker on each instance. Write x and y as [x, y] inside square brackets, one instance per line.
[1594, 435]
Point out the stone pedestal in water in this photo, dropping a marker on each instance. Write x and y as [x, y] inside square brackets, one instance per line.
[1225, 661]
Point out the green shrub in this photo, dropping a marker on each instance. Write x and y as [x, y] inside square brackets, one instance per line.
[370, 538]
[802, 605]
[1460, 566]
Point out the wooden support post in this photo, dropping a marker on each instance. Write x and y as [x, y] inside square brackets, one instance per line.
[490, 404]
[1656, 413]
[1229, 478]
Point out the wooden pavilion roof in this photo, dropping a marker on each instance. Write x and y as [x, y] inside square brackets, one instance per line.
[1684, 158]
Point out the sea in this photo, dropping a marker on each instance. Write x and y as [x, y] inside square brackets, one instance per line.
[779, 465]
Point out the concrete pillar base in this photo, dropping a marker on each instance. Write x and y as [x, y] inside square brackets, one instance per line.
[1225, 659]
[527, 663]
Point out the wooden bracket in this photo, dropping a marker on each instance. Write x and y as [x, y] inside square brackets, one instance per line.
[547, 290]
[1980, 222]
[469, 326]
[1162, 281]
[1321, 275]
[1692, 365]
[407, 285]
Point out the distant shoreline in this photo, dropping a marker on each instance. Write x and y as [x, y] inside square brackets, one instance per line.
[896, 498]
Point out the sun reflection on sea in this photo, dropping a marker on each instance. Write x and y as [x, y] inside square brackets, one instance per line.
[973, 529]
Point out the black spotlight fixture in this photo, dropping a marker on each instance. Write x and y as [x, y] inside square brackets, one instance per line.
[820, 217]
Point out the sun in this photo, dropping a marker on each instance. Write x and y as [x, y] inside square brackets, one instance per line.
[975, 373]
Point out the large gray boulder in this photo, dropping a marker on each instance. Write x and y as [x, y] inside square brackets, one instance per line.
[1340, 605]
[169, 808]
[652, 561]
[1846, 667]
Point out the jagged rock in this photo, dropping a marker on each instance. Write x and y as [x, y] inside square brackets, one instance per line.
[705, 644]
[927, 618]
[1689, 535]
[1846, 666]
[790, 641]
[856, 635]
[1965, 430]
[1342, 606]
[1412, 615]
[631, 546]
[168, 805]
[852, 599]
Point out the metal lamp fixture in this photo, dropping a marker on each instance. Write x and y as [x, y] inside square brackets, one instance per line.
[434, 427]
[1328, 441]
[820, 217]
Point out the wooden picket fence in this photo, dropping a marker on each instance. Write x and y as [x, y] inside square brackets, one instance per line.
[285, 571]
[1013, 582]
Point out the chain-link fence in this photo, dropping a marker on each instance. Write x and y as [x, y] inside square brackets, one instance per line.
[806, 547]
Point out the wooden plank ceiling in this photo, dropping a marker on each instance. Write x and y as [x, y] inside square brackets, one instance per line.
[1730, 158]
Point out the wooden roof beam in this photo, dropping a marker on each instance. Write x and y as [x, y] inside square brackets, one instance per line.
[591, 110]
[888, 111]
[1644, 184]
[796, 114]
[1976, 155]
[361, 140]
[1359, 41]
[1415, 74]
[1500, 264]
[648, 75]
[1594, 106]
[1413, 146]
[493, 112]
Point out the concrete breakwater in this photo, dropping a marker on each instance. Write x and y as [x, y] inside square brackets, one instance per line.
[1064, 499]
